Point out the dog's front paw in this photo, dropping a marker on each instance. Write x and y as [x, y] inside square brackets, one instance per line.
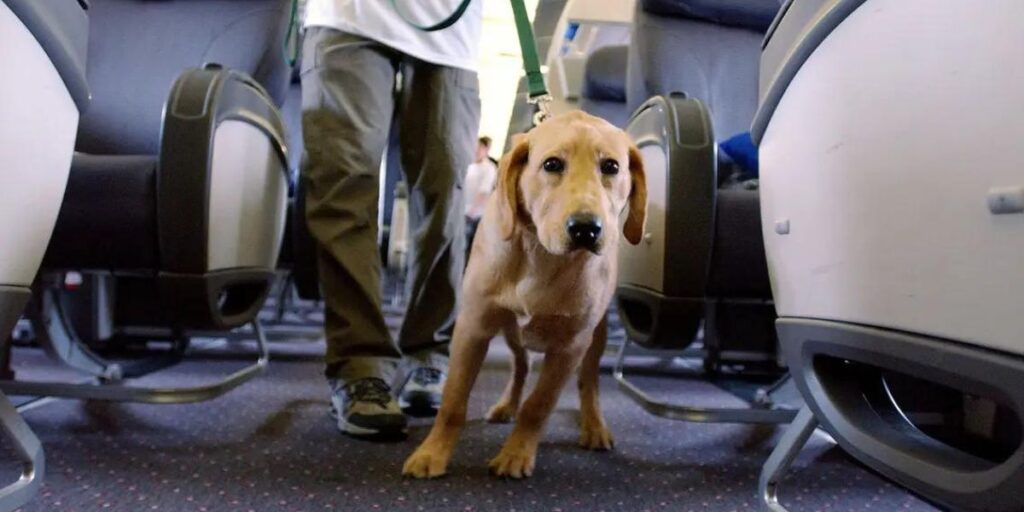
[502, 412]
[425, 462]
[595, 436]
[513, 462]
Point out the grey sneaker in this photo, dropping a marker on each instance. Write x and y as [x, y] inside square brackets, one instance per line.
[421, 393]
[366, 408]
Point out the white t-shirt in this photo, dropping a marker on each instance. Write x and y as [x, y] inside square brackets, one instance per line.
[456, 46]
[480, 180]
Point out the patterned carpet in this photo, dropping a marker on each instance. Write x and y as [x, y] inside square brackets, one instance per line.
[270, 446]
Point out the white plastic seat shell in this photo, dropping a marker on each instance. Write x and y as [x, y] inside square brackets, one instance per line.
[880, 157]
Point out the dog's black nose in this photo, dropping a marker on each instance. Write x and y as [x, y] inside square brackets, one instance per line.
[584, 230]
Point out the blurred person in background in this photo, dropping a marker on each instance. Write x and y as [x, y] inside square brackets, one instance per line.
[481, 177]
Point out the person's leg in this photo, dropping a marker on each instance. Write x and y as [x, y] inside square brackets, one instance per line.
[471, 225]
[348, 101]
[440, 116]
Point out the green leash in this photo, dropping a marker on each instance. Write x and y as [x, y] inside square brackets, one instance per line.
[291, 38]
[441, 25]
[537, 90]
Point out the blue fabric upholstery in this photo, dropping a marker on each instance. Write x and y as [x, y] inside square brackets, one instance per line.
[752, 14]
[716, 64]
[605, 75]
[741, 150]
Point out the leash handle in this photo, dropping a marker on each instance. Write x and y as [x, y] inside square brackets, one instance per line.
[441, 25]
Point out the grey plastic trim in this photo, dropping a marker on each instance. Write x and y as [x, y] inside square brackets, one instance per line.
[941, 473]
[58, 339]
[120, 392]
[12, 303]
[674, 321]
[793, 440]
[775, 23]
[199, 101]
[753, 414]
[682, 129]
[62, 29]
[799, 44]
[25, 443]
[29, 450]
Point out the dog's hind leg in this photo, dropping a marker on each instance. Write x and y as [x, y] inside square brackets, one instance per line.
[504, 411]
[594, 434]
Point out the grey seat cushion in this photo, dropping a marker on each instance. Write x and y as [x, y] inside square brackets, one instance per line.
[713, 63]
[752, 14]
[108, 217]
[137, 48]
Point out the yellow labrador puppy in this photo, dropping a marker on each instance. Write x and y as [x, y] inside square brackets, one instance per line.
[542, 271]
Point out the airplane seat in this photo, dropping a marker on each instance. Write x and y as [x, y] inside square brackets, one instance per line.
[893, 217]
[173, 217]
[43, 93]
[604, 85]
[182, 172]
[703, 242]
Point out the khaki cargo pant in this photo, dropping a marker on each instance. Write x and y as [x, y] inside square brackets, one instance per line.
[350, 94]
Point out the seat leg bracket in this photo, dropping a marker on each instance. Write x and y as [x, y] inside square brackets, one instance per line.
[752, 414]
[793, 440]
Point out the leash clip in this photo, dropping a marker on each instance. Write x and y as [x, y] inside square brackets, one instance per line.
[543, 103]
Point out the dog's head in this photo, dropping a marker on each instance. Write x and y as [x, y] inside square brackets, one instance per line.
[571, 178]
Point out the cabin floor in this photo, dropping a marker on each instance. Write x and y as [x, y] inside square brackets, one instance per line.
[271, 446]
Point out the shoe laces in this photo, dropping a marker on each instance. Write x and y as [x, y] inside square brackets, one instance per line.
[426, 376]
[371, 389]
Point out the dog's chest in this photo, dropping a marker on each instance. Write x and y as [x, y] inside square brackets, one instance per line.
[549, 316]
[547, 292]
[557, 304]
[538, 333]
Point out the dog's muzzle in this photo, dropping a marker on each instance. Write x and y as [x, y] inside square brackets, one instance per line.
[584, 231]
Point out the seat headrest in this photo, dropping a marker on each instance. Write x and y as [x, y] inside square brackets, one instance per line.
[751, 14]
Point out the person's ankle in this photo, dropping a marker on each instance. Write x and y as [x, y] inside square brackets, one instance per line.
[422, 391]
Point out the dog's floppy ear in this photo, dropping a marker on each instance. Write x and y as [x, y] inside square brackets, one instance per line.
[633, 229]
[509, 170]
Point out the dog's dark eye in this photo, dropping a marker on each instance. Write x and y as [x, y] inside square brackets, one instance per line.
[554, 165]
[609, 166]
